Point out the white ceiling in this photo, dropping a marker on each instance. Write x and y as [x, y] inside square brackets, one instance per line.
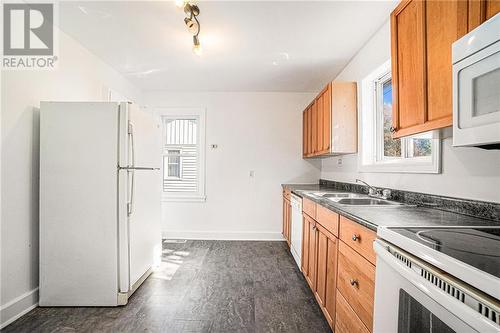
[247, 46]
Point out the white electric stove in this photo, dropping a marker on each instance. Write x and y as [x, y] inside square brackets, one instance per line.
[443, 279]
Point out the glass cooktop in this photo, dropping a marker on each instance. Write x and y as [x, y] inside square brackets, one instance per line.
[477, 247]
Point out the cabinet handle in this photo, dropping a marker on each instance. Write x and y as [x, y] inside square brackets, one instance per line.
[354, 282]
[355, 237]
[392, 129]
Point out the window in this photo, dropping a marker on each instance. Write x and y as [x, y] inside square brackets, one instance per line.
[379, 151]
[183, 154]
[172, 164]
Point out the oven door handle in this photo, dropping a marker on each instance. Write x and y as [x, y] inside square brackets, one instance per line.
[454, 306]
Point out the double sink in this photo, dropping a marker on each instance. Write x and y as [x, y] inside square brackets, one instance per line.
[355, 199]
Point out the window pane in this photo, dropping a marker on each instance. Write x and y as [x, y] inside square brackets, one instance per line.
[422, 147]
[180, 131]
[174, 167]
[392, 148]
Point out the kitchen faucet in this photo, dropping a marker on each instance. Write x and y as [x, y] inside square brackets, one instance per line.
[374, 192]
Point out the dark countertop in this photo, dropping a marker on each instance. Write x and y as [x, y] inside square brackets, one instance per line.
[399, 216]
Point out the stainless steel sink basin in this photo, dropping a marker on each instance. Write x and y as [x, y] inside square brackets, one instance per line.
[336, 195]
[367, 202]
[356, 199]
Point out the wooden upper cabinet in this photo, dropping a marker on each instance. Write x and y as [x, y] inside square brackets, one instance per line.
[422, 33]
[332, 124]
[480, 11]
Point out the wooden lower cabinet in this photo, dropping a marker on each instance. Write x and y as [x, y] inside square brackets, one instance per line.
[341, 276]
[346, 320]
[326, 276]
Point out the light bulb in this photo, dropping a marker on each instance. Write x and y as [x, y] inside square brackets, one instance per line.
[197, 50]
[179, 3]
[196, 46]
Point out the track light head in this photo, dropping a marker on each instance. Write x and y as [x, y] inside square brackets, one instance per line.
[192, 25]
[191, 10]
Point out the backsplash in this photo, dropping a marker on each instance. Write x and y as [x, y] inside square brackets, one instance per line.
[481, 209]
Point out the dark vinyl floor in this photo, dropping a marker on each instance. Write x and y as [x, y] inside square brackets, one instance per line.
[202, 286]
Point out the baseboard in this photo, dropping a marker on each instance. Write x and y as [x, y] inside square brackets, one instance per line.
[216, 235]
[18, 307]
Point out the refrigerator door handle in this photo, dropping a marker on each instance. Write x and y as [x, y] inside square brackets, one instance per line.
[130, 205]
[131, 168]
[137, 168]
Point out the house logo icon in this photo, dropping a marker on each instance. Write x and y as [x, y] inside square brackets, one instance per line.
[28, 29]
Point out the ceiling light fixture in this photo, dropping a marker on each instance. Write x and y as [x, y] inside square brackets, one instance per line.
[191, 20]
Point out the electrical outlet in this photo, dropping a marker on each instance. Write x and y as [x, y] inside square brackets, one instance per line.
[339, 162]
[252, 174]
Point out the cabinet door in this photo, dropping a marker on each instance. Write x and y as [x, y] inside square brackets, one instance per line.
[327, 120]
[309, 131]
[320, 120]
[305, 245]
[288, 222]
[309, 251]
[408, 66]
[480, 11]
[304, 134]
[314, 128]
[440, 35]
[326, 272]
[284, 217]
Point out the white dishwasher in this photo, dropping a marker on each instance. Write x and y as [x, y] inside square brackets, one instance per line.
[296, 228]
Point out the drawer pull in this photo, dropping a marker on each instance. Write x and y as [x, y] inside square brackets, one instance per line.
[355, 237]
[354, 282]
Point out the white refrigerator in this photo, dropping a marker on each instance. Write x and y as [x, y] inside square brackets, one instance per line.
[100, 202]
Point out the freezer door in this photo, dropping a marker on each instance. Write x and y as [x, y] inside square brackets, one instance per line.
[140, 171]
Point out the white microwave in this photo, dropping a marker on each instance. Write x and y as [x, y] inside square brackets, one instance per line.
[476, 86]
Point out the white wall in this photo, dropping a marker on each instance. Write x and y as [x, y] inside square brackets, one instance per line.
[466, 172]
[254, 131]
[80, 77]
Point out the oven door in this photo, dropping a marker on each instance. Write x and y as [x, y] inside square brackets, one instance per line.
[476, 98]
[406, 302]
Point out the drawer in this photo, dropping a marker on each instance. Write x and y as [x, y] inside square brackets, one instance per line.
[356, 282]
[309, 207]
[358, 237]
[346, 321]
[328, 219]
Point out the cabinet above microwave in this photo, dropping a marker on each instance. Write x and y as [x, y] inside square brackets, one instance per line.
[330, 122]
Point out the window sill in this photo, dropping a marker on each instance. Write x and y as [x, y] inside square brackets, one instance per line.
[400, 168]
[184, 199]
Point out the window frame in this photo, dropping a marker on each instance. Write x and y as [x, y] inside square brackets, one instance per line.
[371, 143]
[182, 113]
